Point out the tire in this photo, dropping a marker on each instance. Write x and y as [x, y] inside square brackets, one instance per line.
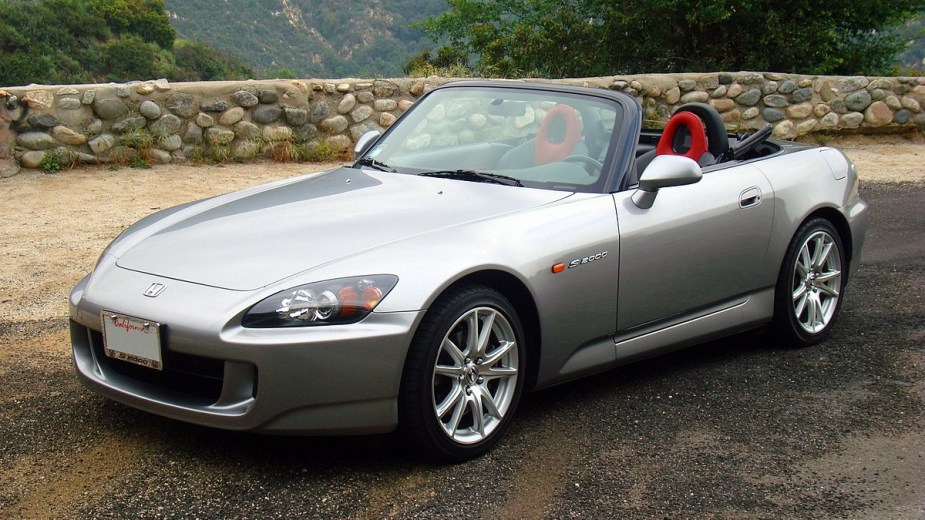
[809, 288]
[458, 394]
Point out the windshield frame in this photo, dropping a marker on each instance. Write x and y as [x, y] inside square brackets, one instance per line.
[618, 157]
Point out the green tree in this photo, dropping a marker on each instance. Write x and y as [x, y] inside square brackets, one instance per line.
[559, 38]
[197, 61]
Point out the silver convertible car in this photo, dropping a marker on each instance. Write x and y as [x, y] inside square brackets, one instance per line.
[501, 237]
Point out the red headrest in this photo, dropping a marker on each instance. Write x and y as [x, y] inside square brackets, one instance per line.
[694, 126]
[547, 151]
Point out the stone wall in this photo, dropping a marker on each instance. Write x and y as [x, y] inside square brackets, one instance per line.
[167, 122]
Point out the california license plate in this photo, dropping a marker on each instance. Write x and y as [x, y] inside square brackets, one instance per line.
[133, 340]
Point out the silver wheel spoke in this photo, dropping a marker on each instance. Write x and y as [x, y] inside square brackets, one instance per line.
[448, 371]
[478, 418]
[498, 353]
[801, 290]
[472, 336]
[498, 372]
[489, 402]
[484, 335]
[827, 276]
[798, 310]
[458, 412]
[829, 291]
[451, 400]
[450, 348]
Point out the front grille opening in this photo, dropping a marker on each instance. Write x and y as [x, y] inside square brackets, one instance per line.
[194, 376]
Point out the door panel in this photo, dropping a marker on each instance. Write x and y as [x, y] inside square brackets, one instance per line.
[697, 246]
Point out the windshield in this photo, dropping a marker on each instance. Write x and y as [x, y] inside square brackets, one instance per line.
[523, 137]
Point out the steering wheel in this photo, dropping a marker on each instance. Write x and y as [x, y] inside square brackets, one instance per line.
[592, 166]
[749, 143]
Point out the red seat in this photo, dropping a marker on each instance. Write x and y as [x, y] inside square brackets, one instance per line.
[551, 148]
[698, 143]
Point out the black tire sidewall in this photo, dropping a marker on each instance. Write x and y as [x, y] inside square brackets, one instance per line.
[417, 421]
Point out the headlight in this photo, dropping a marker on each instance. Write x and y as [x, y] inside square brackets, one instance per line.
[345, 300]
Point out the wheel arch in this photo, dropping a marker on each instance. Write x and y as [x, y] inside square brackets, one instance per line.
[520, 297]
[841, 226]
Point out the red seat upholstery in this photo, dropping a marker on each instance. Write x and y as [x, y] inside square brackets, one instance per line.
[698, 145]
[551, 148]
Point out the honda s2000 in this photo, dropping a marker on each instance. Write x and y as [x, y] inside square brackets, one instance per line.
[500, 237]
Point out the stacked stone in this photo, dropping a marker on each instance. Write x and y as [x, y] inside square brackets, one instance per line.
[796, 105]
[96, 123]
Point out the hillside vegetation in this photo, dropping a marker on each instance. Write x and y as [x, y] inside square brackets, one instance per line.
[86, 41]
[310, 38]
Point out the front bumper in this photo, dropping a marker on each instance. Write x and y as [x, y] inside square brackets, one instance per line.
[337, 379]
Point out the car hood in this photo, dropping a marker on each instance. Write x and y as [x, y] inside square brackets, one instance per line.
[249, 242]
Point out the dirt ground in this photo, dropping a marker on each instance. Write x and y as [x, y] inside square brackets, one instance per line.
[54, 226]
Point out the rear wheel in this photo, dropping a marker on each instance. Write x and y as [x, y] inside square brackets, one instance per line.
[810, 284]
[463, 376]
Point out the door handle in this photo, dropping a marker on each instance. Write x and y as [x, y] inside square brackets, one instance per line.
[751, 197]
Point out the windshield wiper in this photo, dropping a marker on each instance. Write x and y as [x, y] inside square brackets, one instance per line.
[372, 163]
[472, 175]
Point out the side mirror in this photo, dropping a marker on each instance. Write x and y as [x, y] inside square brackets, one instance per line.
[365, 142]
[665, 171]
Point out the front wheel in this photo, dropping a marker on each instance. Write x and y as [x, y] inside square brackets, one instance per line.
[810, 285]
[463, 376]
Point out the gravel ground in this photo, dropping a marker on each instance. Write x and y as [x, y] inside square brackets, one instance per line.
[738, 428]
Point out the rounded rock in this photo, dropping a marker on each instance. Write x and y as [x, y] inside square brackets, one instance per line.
[852, 120]
[149, 109]
[231, 116]
[902, 116]
[734, 91]
[218, 135]
[893, 102]
[673, 95]
[171, 143]
[277, 133]
[385, 105]
[361, 113]
[878, 114]
[334, 125]
[801, 95]
[245, 99]
[68, 136]
[296, 116]
[110, 108]
[801, 111]
[346, 104]
[386, 120]
[829, 120]
[858, 100]
[166, 125]
[36, 141]
[821, 109]
[246, 130]
[183, 105]
[102, 143]
[32, 159]
[69, 103]
[265, 114]
[787, 87]
[204, 120]
[267, 96]
[772, 115]
[749, 97]
[784, 130]
[910, 104]
[750, 113]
